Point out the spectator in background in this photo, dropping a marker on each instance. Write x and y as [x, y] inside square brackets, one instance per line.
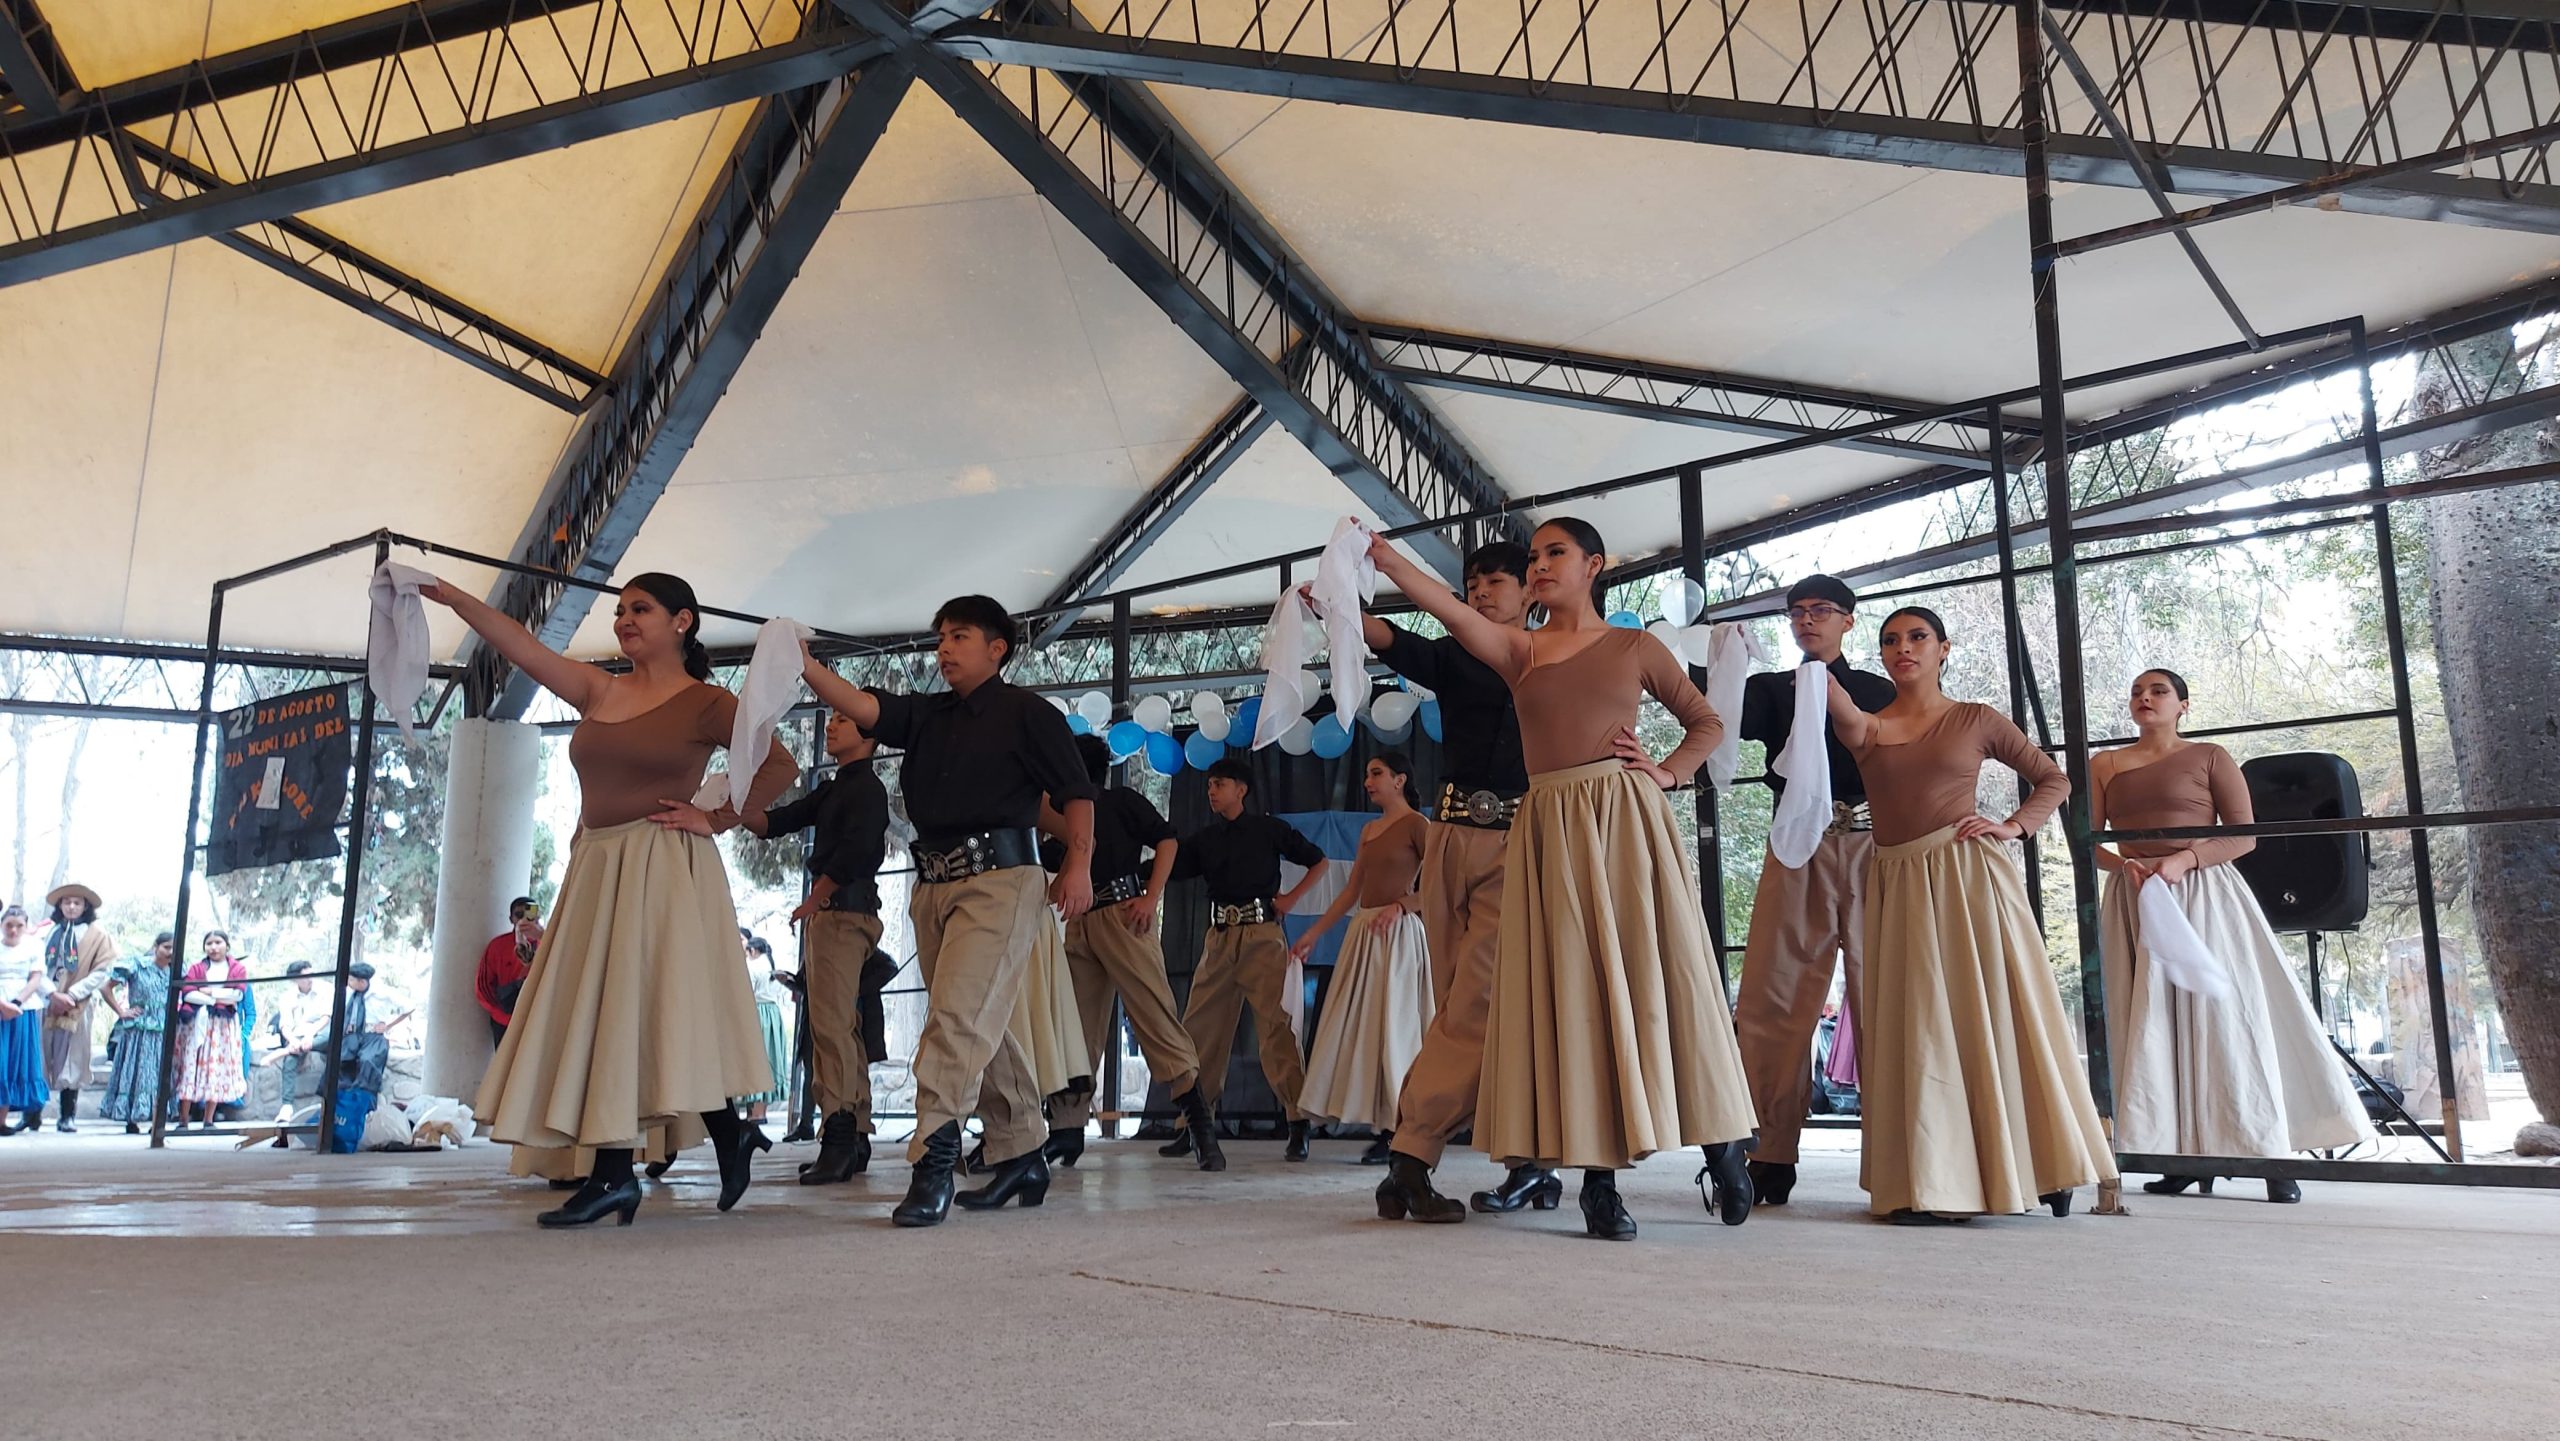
[23, 987]
[771, 995]
[139, 995]
[209, 1072]
[504, 963]
[364, 1052]
[77, 958]
[298, 1025]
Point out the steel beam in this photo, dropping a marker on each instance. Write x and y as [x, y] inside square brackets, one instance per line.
[1906, 85]
[1652, 390]
[1185, 481]
[1116, 166]
[310, 256]
[308, 123]
[33, 72]
[755, 230]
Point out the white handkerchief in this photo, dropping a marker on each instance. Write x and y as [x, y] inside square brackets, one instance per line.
[2171, 943]
[1730, 651]
[772, 685]
[1346, 579]
[396, 642]
[1804, 809]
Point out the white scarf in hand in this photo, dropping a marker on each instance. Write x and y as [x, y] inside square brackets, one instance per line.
[1346, 579]
[1804, 808]
[396, 659]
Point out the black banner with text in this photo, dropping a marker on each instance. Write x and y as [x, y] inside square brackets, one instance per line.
[281, 780]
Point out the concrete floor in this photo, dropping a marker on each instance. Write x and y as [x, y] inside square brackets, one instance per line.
[206, 1293]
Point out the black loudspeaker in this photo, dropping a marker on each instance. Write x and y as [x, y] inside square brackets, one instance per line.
[2307, 883]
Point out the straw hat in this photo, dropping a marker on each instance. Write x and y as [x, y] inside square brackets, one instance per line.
[56, 896]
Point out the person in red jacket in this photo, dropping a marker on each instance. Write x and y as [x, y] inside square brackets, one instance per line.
[503, 964]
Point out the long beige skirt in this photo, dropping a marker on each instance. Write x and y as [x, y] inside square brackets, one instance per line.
[1374, 1016]
[1046, 1023]
[1606, 1036]
[2247, 1075]
[635, 1013]
[1974, 1096]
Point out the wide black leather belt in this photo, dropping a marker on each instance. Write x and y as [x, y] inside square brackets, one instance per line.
[1123, 888]
[1847, 816]
[1491, 810]
[1243, 913]
[957, 858]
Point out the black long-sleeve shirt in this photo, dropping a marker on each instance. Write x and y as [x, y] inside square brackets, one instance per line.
[1480, 732]
[1769, 714]
[980, 762]
[1125, 823]
[850, 814]
[1240, 859]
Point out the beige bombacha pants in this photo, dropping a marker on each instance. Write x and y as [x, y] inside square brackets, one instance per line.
[973, 946]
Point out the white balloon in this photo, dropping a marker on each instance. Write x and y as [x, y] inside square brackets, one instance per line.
[1682, 599]
[1394, 710]
[1207, 704]
[1667, 633]
[1061, 703]
[1299, 738]
[1310, 687]
[1216, 725]
[1153, 712]
[1694, 643]
[1095, 707]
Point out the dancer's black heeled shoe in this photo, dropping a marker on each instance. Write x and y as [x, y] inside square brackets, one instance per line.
[1379, 1149]
[1406, 1194]
[1024, 1178]
[1296, 1150]
[2284, 1192]
[2058, 1202]
[929, 1189]
[975, 1163]
[1180, 1145]
[1064, 1147]
[1772, 1182]
[1525, 1186]
[593, 1203]
[844, 1152]
[2172, 1185]
[1200, 1132]
[656, 1169]
[1724, 1182]
[1604, 1216]
[1909, 1217]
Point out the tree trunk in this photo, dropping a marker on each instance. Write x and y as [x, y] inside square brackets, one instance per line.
[70, 802]
[22, 739]
[2493, 570]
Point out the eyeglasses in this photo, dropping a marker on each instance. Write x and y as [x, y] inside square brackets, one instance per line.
[1816, 612]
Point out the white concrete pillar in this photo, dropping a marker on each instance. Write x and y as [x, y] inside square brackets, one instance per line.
[487, 862]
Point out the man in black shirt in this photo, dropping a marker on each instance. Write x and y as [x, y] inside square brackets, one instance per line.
[849, 812]
[978, 759]
[1462, 860]
[1801, 919]
[1245, 959]
[1112, 949]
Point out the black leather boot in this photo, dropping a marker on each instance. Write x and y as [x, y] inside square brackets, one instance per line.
[1380, 1148]
[1604, 1216]
[1199, 1131]
[2283, 1192]
[1406, 1194]
[1724, 1182]
[1064, 1147]
[1180, 1145]
[975, 1163]
[1025, 1177]
[70, 1113]
[1525, 1186]
[1772, 1182]
[735, 1142]
[2059, 1202]
[844, 1152]
[929, 1189]
[1296, 1150]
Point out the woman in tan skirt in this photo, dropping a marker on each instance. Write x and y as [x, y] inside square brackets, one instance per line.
[2244, 1073]
[635, 1017]
[1607, 1038]
[1380, 1001]
[1973, 1095]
